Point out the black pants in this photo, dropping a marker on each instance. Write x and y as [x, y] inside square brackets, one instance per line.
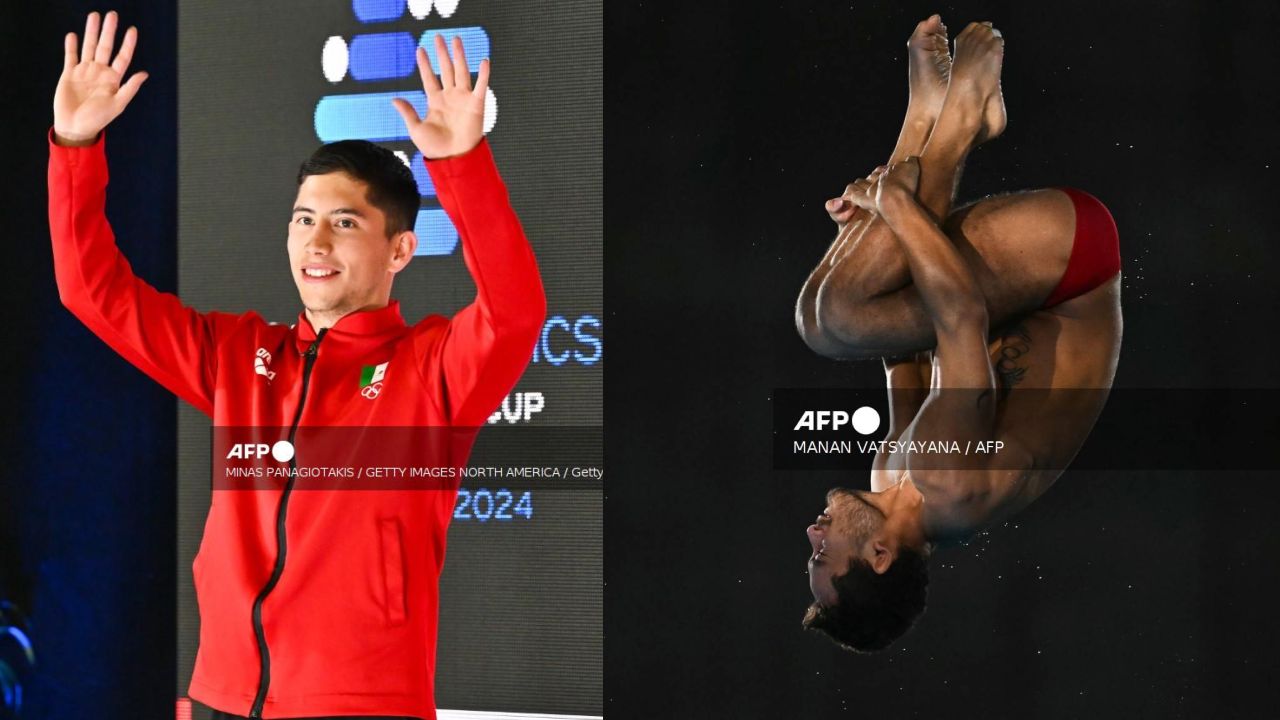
[220, 715]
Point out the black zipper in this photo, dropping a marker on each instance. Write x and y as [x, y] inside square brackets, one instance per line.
[264, 677]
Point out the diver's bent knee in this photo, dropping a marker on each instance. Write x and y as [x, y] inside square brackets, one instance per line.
[811, 333]
[843, 329]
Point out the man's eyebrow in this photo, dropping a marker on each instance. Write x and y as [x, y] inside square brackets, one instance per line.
[339, 211]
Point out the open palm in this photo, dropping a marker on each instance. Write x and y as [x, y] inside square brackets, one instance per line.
[455, 111]
[90, 94]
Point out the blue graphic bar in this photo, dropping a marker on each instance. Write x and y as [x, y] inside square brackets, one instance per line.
[436, 233]
[426, 188]
[475, 42]
[364, 116]
[382, 56]
[372, 11]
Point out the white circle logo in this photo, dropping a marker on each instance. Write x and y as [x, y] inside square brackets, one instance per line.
[282, 451]
[866, 420]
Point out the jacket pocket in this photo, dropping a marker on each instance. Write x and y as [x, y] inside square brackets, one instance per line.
[392, 569]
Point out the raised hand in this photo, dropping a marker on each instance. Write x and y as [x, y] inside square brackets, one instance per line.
[455, 111]
[89, 94]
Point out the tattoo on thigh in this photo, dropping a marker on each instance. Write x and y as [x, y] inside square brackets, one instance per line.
[1015, 342]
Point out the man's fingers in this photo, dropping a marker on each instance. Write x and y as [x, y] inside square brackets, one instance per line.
[858, 188]
[428, 73]
[840, 210]
[446, 65]
[482, 78]
[405, 108]
[70, 55]
[107, 41]
[864, 193]
[126, 92]
[461, 72]
[90, 37]
[125, 56]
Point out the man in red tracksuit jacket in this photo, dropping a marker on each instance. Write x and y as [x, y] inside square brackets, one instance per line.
[314, 603]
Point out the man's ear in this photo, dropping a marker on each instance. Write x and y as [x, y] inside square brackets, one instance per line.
[882, 556]
[405, 245]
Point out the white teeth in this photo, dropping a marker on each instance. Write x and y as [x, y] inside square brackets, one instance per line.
[318, 273]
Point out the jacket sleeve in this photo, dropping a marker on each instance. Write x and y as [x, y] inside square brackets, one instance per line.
[153, 330]
[487, 344]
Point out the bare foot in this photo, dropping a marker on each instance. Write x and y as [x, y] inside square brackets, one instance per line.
[994, 117]
[928, 69]
[975, 79]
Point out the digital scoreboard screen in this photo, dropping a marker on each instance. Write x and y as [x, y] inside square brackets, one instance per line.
[261, 86]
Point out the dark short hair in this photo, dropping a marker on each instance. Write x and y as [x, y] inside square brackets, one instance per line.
[872, 610]
[392, 188]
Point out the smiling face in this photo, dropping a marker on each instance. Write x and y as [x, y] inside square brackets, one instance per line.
[339, 252]
[839, 535]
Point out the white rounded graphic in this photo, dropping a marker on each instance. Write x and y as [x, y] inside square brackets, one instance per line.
[282, 451]
[490, 109]
[446, 7]
[866, 420]
[333, 59]
[419, 8]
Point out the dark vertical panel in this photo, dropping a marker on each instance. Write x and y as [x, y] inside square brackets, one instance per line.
[87, 486]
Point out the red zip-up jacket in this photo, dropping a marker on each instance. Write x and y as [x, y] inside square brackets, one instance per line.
[340, 617]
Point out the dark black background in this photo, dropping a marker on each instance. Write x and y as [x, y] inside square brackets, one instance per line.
[87, 530]
[1118, 594]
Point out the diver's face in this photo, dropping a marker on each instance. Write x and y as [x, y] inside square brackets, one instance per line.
[341, 257]
[837, 536]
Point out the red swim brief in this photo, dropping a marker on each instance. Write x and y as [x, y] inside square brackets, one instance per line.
[1095, 251]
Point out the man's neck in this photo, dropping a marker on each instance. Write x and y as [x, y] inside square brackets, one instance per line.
[907, 514]
[327, 319]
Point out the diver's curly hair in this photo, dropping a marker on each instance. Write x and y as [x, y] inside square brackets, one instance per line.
[872, 610]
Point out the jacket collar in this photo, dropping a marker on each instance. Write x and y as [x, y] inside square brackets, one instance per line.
[362, 322]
